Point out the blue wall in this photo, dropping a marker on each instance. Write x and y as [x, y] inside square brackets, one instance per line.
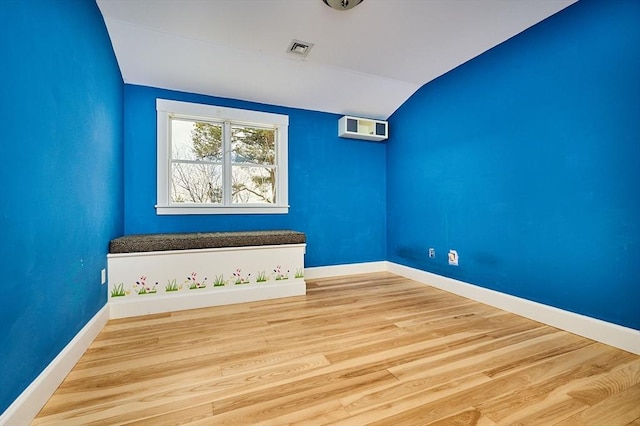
[527, 161]
[61, 178]
[336, 186]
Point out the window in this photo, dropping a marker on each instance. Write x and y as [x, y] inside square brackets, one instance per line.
[220, 160]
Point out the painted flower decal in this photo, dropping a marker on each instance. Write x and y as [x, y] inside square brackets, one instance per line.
[238, 278]
[141, 286]
[279, 274]
[193, 283]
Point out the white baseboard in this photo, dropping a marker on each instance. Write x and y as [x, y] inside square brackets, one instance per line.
[224, 296]
[25, 408]
[348, 269]
[605, 332]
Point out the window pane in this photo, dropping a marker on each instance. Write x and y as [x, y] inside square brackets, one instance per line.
[195, 140]
[253, 145]
[196, 183]
[254, 185]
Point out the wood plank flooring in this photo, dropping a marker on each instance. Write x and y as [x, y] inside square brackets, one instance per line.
[374, 349]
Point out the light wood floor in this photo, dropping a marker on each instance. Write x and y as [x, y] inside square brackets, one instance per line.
[367, 349]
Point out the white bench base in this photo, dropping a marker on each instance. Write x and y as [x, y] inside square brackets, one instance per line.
[165, 281]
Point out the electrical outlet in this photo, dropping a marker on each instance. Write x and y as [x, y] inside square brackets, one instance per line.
[432, 252]
[103, 276]
[453, 258]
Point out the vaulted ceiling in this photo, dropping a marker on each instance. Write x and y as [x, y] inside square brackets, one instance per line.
[365, 61]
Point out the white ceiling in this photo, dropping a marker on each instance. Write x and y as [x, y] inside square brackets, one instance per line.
[365, 61]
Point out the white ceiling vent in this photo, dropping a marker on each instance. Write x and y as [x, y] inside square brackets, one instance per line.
[299, 48]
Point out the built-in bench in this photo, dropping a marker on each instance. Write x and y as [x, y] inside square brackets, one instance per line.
[154, 273]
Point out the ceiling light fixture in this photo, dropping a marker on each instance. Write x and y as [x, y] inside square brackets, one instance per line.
[342, 4]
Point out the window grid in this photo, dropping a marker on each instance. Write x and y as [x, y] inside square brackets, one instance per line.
[262, 187]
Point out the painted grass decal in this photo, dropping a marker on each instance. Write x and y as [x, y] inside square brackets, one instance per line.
[219, 281]
[261, 277]
[172, 285]
[118, 290]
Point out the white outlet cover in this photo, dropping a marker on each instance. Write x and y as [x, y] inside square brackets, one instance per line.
[103, 276]
[453, 257]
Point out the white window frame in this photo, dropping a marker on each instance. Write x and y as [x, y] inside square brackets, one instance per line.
[166, 109]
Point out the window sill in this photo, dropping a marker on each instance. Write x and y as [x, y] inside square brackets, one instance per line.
[207, 209]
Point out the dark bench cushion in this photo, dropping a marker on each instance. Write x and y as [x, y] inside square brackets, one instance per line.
[189, 241]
